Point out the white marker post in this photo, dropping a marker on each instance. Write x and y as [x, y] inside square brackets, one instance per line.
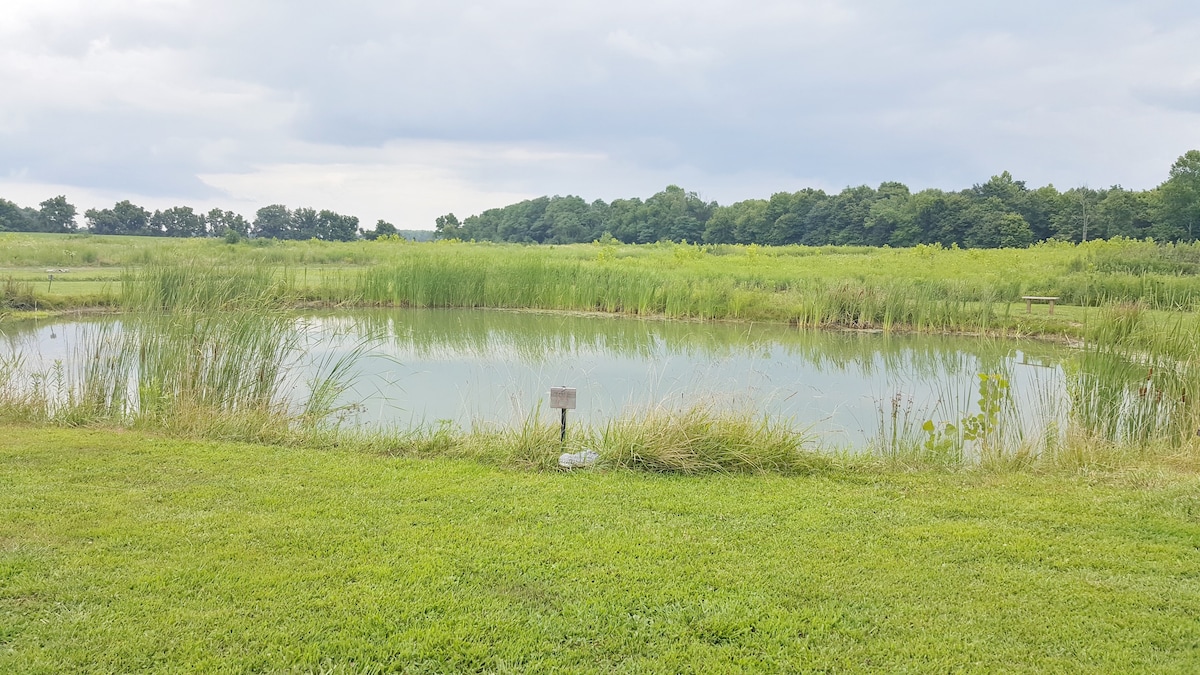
[563, 398]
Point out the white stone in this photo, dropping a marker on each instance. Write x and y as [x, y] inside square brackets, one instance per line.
[574, 460]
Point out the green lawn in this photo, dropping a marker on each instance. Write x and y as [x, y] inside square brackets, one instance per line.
[124, 552]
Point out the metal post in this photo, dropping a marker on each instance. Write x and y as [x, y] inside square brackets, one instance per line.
[562, 437]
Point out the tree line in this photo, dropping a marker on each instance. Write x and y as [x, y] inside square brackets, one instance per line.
[275, 221]
[1002, 212]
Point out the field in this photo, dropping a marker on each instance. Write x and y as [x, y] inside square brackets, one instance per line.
[191, 523]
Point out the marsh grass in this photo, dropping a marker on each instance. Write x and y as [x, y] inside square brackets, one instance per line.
[702, 439]
[18, 295]
[200, 351]
[697, 439]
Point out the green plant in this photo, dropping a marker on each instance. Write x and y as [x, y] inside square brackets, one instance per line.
[984, 428]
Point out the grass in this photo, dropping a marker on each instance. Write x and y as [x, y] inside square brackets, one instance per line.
[123, 551]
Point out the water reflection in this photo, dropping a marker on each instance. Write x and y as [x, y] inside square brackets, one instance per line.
[483, 367]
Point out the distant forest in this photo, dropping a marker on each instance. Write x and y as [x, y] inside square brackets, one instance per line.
[1002, 212]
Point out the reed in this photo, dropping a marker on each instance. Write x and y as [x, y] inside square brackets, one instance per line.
[200, 351]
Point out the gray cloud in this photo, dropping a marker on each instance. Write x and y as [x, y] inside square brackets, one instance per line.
[158, 96]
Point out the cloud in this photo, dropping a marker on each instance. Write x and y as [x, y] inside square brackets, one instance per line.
[460, 103]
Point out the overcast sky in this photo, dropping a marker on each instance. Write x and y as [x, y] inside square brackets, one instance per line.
[406, 110]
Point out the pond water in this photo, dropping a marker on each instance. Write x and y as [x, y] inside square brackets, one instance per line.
[472, 367]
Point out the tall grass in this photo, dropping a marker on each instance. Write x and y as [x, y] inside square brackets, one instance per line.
[519, 279]
[15, 294]
[200, 351]
[701, 439]
[690, 440]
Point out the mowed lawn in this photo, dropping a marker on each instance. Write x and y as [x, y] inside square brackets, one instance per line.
[124, 552]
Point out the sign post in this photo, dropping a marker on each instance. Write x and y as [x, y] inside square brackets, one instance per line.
[562, 398]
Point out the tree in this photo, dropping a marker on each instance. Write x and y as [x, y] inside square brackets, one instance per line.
[306, 224]
[382, 229]
[678, 215]
[13, 218]
[993, 225]
[1181, 198]
[851, 208]
[333, 226]
[123, 218]
[218, 223]
[272, 222]
[1075, 221]
[719, 228]
[1123, 213]
[177, 221]
[56, 215]
[447, 227]
[566, 220]
[892, 210]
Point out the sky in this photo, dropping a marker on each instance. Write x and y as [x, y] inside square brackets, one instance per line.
[404, 110]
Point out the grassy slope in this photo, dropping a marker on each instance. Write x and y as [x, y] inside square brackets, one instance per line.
[121, 551]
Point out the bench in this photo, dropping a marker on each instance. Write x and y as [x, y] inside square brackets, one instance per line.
[1030, 299]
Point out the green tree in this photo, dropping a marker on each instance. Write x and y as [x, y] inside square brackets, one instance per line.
[272, 222]
[306, 224]
[754, 218]
[677, 214]
[124, 217]
[218, 223]
[56, 215]
[177, 221]
[1181, 199]
[13, 218]
[719, 228]
[447, 227]
[1124, 213]
[382, 229]
[333, 226]
[567, 220]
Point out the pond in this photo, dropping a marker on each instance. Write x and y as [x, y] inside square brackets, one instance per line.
[473, 367]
